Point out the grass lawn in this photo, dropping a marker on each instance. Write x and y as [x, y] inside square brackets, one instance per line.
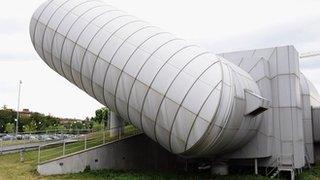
[17, 142]
[311, 174]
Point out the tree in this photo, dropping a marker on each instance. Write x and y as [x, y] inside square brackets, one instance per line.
[55, 128]
[6, 116]
[30, 127]
[4, 107]
[9, 128]
[77, 126]
[96, 126]
[101, 115]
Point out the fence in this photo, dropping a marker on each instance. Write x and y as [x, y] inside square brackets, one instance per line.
[80, 142]
[12, 142]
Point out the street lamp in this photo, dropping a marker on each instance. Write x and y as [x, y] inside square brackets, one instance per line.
[17, 119]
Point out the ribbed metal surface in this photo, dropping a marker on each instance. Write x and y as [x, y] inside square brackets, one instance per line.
[311, 106]
[180, 95]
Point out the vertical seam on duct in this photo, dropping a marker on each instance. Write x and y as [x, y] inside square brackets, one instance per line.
[185, 96]
[136, 76]
[125, 65]
[211, 124]
[197, 115]
[153, 79]
[82, 59]
[75, 44]
[195, 57]
[46, 27]
[97, 56]
[110, 63]
[54, 35]
[145, 27]
[38, 19]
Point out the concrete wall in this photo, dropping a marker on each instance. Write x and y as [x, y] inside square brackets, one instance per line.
[133, 153]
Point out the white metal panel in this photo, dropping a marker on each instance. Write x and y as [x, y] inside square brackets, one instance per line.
[77, 56]
[210, 106]
[180, 87]
[113, 42]
[162, 136]
[139, 91]
[152, 104]
[148, 127]
[84, 21]
[185, 56]
[183, 123]
[210, 75]
[164, 79]
[86, 70]
[158, 60]
[137, 60]
[197, 131]
[48, 12]
[166, 114]
[90, 4]
[196, 96]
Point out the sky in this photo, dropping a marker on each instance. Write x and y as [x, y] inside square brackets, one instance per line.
[218, 25]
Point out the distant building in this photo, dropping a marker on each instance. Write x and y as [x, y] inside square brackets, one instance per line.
[69, 120]
[25, 113]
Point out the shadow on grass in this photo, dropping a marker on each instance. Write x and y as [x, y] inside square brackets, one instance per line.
[146, 175]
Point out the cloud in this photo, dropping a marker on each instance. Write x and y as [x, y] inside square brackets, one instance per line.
[43, 90]
[11, 26]
[221, 26]
[302, 33]
[17, 57]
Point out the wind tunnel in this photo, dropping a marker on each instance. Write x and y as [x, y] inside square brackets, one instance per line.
[185, 98]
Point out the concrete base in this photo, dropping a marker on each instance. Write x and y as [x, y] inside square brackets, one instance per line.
[134, 153]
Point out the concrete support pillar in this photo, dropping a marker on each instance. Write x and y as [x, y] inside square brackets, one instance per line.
[116, 125]
[219, 168]
[256, 166]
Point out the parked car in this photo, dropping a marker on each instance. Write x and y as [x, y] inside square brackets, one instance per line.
[8, 137]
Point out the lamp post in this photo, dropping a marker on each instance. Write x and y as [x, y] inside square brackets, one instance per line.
[17, 119]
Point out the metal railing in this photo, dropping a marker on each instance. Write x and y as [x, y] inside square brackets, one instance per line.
[274, 166]
[13, 142]
[281, 164]
[84, 141]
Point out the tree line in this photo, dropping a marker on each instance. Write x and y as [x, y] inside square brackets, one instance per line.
[40, 122]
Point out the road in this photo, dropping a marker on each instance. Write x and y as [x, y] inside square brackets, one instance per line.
[28, 146]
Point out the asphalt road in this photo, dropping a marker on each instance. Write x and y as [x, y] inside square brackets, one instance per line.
[28, 146]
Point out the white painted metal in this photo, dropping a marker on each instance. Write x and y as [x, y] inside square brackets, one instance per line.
[185, 98]
[286, 129]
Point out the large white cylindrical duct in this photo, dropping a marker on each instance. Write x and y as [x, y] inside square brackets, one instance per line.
[185, 98]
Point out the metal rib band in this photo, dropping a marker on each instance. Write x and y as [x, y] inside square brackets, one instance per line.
[185, 96]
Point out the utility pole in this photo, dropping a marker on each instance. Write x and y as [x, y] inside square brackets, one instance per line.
[18, 108]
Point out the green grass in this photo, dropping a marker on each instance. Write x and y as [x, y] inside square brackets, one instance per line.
[17, 142]
[311, 174]
[139, 175]
[12, 168]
